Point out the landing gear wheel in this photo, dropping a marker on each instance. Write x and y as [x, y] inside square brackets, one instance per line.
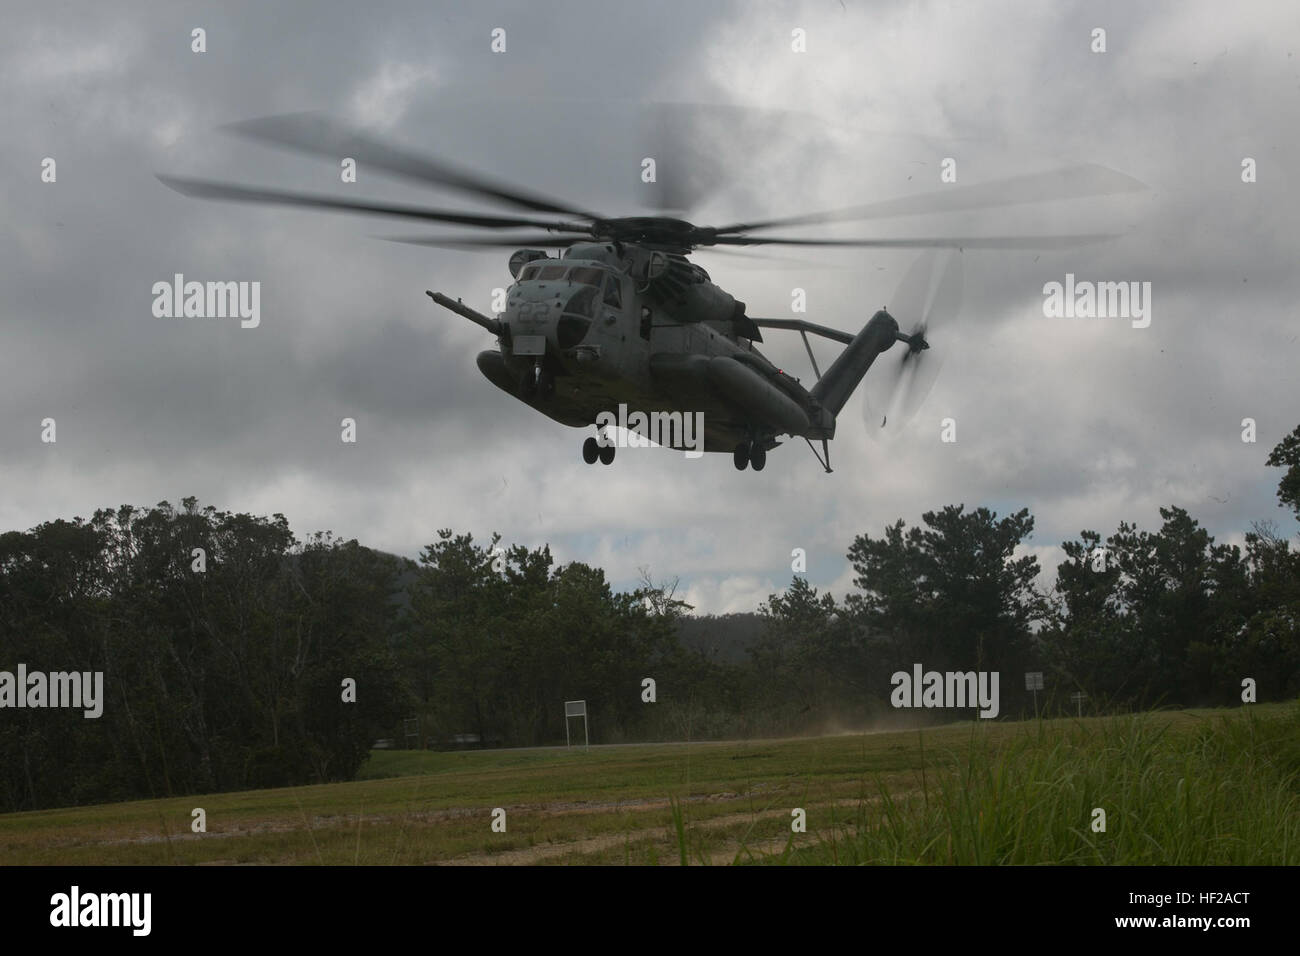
[757, 457]
[590, 450]
[537, 384]
[607, 455]
[741, 456]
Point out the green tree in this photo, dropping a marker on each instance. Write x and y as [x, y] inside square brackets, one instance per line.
[1145, 616]
[1287, 454]
[950, 595]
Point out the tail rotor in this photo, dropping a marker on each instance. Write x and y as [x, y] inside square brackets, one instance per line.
[928, 299]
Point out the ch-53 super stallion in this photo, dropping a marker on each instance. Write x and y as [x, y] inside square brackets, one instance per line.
[623, 317]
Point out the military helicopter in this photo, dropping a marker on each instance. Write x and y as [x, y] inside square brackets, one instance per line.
[623, 317]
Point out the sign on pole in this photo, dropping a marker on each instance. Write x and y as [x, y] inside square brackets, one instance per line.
[1034, 682]
[1079, 697]
[576, 708]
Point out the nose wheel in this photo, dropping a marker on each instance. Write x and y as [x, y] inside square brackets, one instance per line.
[537, 384]
[749, 454]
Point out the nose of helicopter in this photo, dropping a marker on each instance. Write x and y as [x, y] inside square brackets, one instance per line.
[532, 324]
[558, 322]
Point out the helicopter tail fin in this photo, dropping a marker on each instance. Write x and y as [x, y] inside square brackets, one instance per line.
[834, 388]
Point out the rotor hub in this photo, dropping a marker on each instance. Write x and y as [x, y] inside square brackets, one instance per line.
[653, 230]
[915, 342]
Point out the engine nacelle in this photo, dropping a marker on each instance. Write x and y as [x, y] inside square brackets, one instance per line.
[522, 257]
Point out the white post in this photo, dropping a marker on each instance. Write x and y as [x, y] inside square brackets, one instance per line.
[1034, 682]
[576, 708]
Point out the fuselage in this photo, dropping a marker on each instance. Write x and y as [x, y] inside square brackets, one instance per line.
[609, 337]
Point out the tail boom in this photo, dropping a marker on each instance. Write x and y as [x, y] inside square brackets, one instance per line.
[834, 388]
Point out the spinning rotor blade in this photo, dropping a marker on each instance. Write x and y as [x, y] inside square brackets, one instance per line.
[1072, 182]
[684, 178]
[746, 255]
[968, 242]
[693, 137]
[317, 135]
[697, 147]
[208, 189]
[482, 242]
[928, 297]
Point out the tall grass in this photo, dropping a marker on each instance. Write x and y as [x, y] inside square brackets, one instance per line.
[1226, 793]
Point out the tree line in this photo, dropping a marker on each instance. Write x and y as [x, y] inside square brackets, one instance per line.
[236, 656]
[1136, 619]
[223, 642]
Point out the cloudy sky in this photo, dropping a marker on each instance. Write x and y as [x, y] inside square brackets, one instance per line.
[1085, 422]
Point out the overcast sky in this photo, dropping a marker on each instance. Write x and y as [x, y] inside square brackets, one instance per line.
[1085, 422]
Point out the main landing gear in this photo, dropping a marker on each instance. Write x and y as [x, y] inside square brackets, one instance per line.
[751, 454]
[593, 449]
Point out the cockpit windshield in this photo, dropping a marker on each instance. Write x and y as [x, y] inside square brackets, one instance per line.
[583, 275]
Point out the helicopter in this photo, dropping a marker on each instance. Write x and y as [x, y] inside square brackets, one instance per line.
[620, 317]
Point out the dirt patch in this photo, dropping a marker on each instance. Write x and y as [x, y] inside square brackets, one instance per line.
[541, 853]
[550, 851]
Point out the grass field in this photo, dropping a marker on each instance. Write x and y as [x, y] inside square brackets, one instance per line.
[1178, 787]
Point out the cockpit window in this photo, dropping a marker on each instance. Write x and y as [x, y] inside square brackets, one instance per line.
[587, 275]
[583, 303]
[583, 275]
[613, 297]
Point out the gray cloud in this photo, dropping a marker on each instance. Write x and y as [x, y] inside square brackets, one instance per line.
[1086, 422]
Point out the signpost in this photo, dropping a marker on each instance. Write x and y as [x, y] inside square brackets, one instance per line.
[576, 708]
[1079, 697]
[1034, 682]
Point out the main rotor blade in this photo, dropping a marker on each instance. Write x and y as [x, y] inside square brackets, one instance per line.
[317, 135]
[759, 257]
[967, 242]
[480, 242]
[684, 175]
[208, 189]
[698, 146]
[1071, 182]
